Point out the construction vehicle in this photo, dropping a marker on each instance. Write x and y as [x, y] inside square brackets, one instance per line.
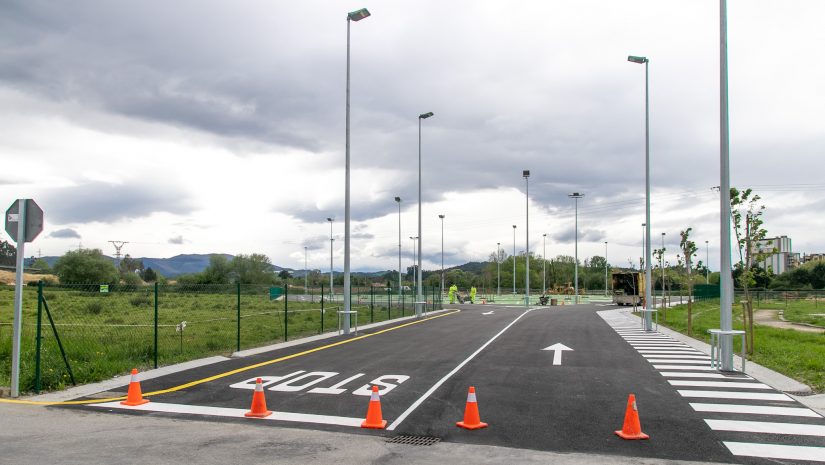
[628, 288]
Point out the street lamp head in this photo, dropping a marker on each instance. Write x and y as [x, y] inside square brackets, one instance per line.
[544, 235]
[635, 59]
[358, 15]
[425, 115]
[329, 219]
[398, 199]
[514, 226]
[575, 195]
[441, 216]
[526, 173]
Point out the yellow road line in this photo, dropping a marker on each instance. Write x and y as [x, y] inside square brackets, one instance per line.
[228, 373]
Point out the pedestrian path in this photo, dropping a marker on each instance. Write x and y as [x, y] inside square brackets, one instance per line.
[750, 418]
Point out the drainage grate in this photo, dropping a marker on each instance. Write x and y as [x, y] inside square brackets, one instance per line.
[414, 440]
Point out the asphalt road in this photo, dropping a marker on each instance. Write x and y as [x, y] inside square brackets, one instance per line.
[425, 368]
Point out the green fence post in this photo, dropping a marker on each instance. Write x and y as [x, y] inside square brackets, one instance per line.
[389, 302]
[38, 337]
[402, 301]
[286, 311]
[238, 332]
[156, 324]
[322, 309]
[372, 304]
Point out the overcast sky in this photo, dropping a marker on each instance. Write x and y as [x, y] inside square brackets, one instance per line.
[218, 127]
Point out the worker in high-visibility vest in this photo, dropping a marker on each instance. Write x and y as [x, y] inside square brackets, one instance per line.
[451, 293]
[472, 294]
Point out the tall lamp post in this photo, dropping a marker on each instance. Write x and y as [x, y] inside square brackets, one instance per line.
[725, 276]
[398, 199]
[707, 265]
[415, 271]
[419, 295]
[544, 263]
[662, 264]
[514, 259]
[357, 15]
[331, 239]
[526, 174]
[576, 196]
[442, 251]
[498, 262]
[605, 268]
[648, 277]
[306, 273]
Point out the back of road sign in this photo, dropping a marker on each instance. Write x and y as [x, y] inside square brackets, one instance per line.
[34, 219]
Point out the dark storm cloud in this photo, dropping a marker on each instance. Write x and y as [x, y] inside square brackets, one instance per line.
[66, 233]
[109, 202]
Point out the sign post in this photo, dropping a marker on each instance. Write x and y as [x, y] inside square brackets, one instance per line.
[24, 221]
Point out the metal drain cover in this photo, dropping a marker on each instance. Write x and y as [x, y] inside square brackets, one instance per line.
[414, 440]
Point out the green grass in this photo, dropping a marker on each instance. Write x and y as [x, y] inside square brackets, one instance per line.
[108, 334]
[800, 309]
[795, 354]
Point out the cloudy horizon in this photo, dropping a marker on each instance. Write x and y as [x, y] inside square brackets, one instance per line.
[210, 127]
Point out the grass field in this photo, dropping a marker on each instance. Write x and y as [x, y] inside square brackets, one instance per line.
[808, 309]
[107, 334]
[795, 354]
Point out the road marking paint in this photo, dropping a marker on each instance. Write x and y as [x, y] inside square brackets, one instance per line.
[734, 395]
[662, 346]
[236, 413]
[674, 374]
[438, 384]
[776, 451]
[678, 361]
[767, 427]
[670, 351]
[684, 367]
[235, 371]
[722, 384]
[755, 410]
[676, 356]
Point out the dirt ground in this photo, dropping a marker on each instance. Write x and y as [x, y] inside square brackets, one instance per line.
[7, 277]
[771, 318]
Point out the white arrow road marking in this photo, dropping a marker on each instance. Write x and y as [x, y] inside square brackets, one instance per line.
[558, 348]
[488, 313]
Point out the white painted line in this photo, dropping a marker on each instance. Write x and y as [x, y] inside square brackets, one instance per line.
[671, 351]
[653, 357]
[438, 384]
[721, 384]
[755, 410]
[236, 413]
[734, 395]
[676, 360]
[776, 451]
[767, 427]
[658, 344]
[676, 374]
[684, 367]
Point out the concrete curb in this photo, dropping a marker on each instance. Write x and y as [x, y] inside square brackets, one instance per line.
[123, 380]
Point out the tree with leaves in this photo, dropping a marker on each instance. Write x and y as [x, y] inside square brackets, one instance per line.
[689, 249]
[746, 213]
[86, 266]
[8, 253]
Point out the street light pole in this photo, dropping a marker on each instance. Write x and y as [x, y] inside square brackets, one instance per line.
[306, 273]
[605, 268]
[352, 16]
[544, 263]
[419, 296]
[514, 259]
[398, 199]
[707, 265]
[442, 251]
[725, 277]
[498, 262]
[526, 174]
[576, 196]
[662, 264]
[415, 271]
[648, 277]
[331, 239]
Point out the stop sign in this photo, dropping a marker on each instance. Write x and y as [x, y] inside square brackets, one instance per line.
[34, 219]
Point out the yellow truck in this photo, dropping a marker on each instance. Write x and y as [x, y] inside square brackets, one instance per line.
[628, 288]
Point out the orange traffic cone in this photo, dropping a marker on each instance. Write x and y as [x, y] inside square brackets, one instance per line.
[134, 396]
[471, 417]
[374, 419]
[258, 408]
[631, 429]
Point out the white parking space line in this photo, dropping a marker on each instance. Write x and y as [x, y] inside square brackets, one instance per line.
[767, 427]
[676, 374]
[684, 367]
[676, 356]
[236, 413]
[670, 351]
[776, 451]
[438, 384]
[678, 360]
[755, 410]
[734, 395]
[721, 384]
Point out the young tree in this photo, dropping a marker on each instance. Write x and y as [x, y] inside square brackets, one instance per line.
[689, 249]
[150, 275]
[747, 224]
[8, 253]
[86, 266]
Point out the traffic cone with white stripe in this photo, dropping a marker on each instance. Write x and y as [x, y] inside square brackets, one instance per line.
[134, 396]
[374, 419]
[471, 417]
[631, 429]
[258, 408]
